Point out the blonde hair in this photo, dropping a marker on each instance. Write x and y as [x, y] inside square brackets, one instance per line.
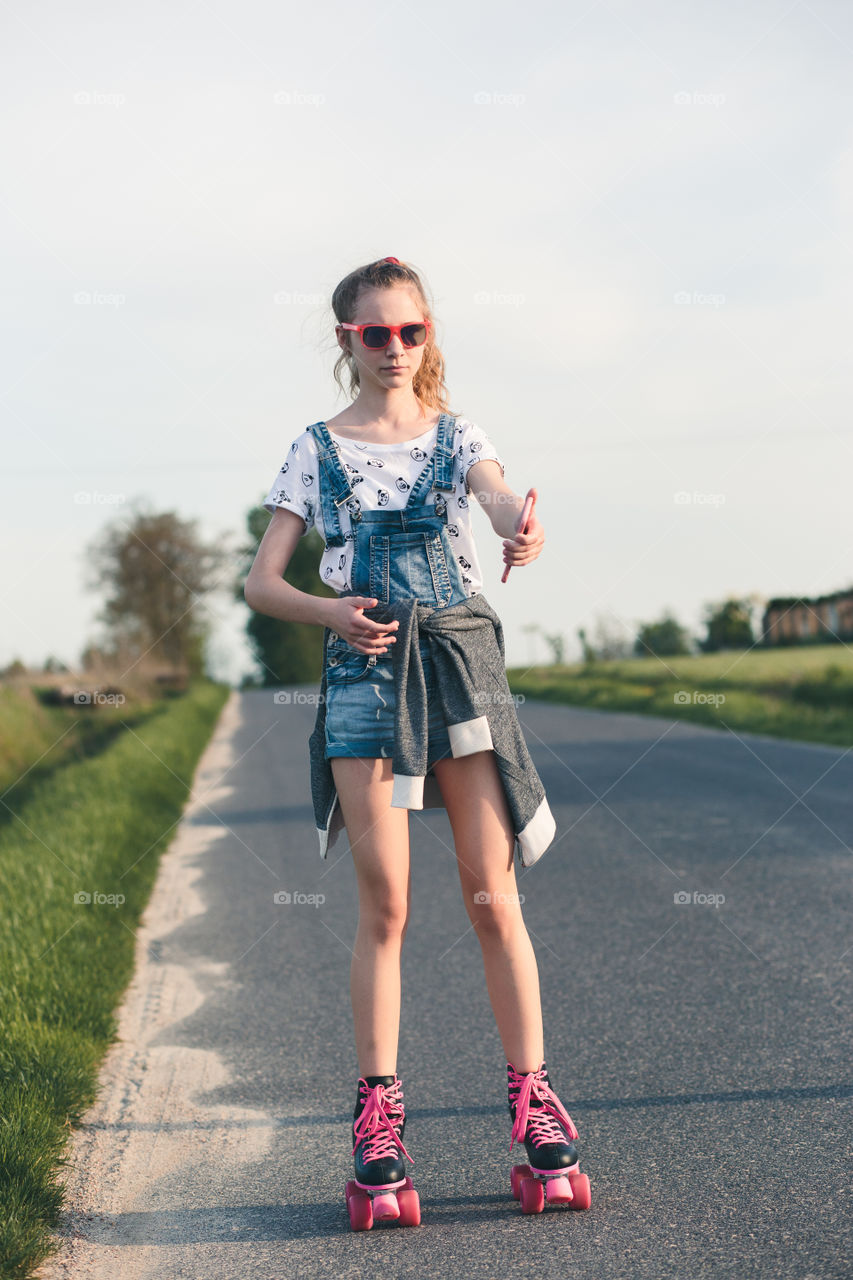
[428, 383]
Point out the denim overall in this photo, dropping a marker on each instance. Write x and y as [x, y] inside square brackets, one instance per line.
[397, 554]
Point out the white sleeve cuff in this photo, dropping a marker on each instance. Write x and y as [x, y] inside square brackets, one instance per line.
[470, 736]
[407, 792]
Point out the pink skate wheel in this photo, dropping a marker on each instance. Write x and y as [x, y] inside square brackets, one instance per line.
[519, 1171]
[581, 1193]
[532, 1196]
[359, 1208]
[385, 1206]
[410, 1208]
[558, 1191]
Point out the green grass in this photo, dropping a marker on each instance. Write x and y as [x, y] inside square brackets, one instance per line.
[97, 824]
[802, 693]
[36, 739]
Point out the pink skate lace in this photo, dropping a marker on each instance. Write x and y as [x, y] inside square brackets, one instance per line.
[547, 1120]
[383, 1107]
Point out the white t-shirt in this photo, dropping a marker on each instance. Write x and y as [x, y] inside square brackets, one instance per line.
[381, 476]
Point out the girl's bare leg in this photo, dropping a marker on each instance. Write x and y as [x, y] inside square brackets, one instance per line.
[379, 839]
[482, 831]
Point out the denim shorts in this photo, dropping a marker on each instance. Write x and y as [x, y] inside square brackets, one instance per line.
[360, 702]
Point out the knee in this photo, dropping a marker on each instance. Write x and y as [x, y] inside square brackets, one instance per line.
[385, 921]
[495, 916]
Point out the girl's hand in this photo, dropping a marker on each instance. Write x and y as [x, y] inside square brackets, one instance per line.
[365, 635]
[525, 547]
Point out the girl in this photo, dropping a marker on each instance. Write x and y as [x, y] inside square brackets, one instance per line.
[378, 479]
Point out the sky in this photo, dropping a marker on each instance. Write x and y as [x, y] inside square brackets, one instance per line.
[635, 222]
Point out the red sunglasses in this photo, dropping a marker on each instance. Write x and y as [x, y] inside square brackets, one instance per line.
[377, 336]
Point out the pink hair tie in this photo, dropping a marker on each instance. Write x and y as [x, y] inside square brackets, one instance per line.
[397, 260]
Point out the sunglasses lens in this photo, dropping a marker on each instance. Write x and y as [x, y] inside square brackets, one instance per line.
[376, 336]
[413, 335]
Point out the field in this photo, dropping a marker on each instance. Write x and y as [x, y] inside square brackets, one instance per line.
[799, 692]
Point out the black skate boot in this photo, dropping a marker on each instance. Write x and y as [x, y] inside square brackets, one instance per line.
[379, 1121]
[542, 1123]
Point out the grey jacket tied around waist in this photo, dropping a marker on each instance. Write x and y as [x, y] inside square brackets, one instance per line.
[467, 650]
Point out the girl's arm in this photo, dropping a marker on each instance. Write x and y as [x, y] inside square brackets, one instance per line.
[267, 592]
[503, 507]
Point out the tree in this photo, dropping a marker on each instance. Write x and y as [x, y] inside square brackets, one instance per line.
[557, 644]
[93, 657]
[155, 571]
[286, 652]
[611, 641]
[15, 668]
[589, 655]
[53, 665]
[665, 638]
[729, 626]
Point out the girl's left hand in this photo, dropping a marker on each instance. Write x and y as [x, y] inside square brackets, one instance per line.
[525, 547]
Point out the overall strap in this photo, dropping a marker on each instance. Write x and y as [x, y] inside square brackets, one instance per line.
[335, 487]
[444, 452]
[438, 472]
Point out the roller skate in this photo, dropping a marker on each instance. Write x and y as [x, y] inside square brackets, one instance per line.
[541, 1122]
[381, 1189]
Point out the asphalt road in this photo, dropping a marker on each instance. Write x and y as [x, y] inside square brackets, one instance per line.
[703, 1047]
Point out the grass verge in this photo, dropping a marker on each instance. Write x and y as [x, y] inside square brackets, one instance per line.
[96, 825]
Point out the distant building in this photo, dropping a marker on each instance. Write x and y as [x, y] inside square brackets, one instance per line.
[794, 620]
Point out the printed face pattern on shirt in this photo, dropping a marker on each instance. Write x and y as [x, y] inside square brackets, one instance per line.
[383, 490]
